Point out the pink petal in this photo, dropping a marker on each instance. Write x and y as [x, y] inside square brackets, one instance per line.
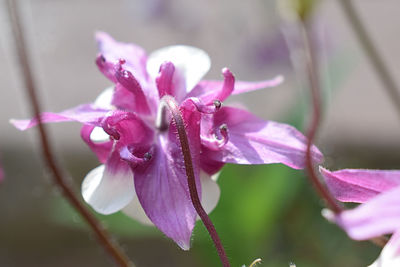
[251, 140]
[355, 185]
[161, 184]
[166, 84]
[87, 114]
[109, 188]
[129, 82]
[190, 63]
[113, 51]
[378, 216]
[244, 87]
[210, 90]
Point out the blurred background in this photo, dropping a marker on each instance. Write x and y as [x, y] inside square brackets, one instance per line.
[264, 211]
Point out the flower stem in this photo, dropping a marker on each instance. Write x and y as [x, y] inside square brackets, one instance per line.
[369, 48]
[316, 117]
[102, 235]
[315, 92]
[180, 125]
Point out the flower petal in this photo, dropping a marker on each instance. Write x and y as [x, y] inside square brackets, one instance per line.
[209, 89]
[129, 82]
[161, 183]
[357, 185]
[101, 149]
[109, 188]
[210, 191]
[244, 87]
[390, 255]
[251, 140]
[87, 114]
[161, 186]
[135, 211]
[379, 216]
[104, 99]
[190, 63]
[113, 51]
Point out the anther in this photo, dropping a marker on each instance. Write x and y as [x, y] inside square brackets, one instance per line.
[217, 104]
[147, 156]
[223, 128]
[102, 58]
[122, 61]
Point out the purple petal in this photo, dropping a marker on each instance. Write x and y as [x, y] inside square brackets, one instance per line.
[254, 141]
[87, 114]
[113, 51]
[244, 87]
[379, 216]
[209, 89]
[190, 63]
[164, 79]
[101, 149]
[353, 185]
[109, 188]
[390, 255]
[161, 184]
[128, 81]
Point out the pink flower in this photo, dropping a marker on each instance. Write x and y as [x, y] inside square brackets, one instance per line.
[379, 190]
[144, 173]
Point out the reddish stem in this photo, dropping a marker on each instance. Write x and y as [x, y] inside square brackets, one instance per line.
[180, 125]
[316, 117]
[102, 235]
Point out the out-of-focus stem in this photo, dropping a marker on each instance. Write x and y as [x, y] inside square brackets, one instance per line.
[316, 117]
[102, 235]
[172, 106]
[315, 93]
[369, 48]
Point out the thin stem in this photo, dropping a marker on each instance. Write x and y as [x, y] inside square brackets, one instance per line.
[180, 125]
[369, 48]
[102, 235]
[316, 117]
[315, 92]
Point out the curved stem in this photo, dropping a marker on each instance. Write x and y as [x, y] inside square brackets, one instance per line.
[183, 139]
[315, 92]
[102, 235]
[316, 117]
[369, 48]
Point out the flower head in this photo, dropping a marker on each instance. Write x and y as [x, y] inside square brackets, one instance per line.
[379, 191]
[128, 128]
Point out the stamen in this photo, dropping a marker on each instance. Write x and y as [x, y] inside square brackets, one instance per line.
[220, 138]
[201, 107]
[127, 153]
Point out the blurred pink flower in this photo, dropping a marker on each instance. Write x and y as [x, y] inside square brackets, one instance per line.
[379, 190]
[144, 172]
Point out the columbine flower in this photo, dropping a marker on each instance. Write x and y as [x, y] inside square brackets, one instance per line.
[132, 135]
[379, 190]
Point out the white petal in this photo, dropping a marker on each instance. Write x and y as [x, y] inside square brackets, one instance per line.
[390, 255]
[193, 63]
[210, 191]
[135, 211]
[108, 193]
[104, 99]
[99, 135]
